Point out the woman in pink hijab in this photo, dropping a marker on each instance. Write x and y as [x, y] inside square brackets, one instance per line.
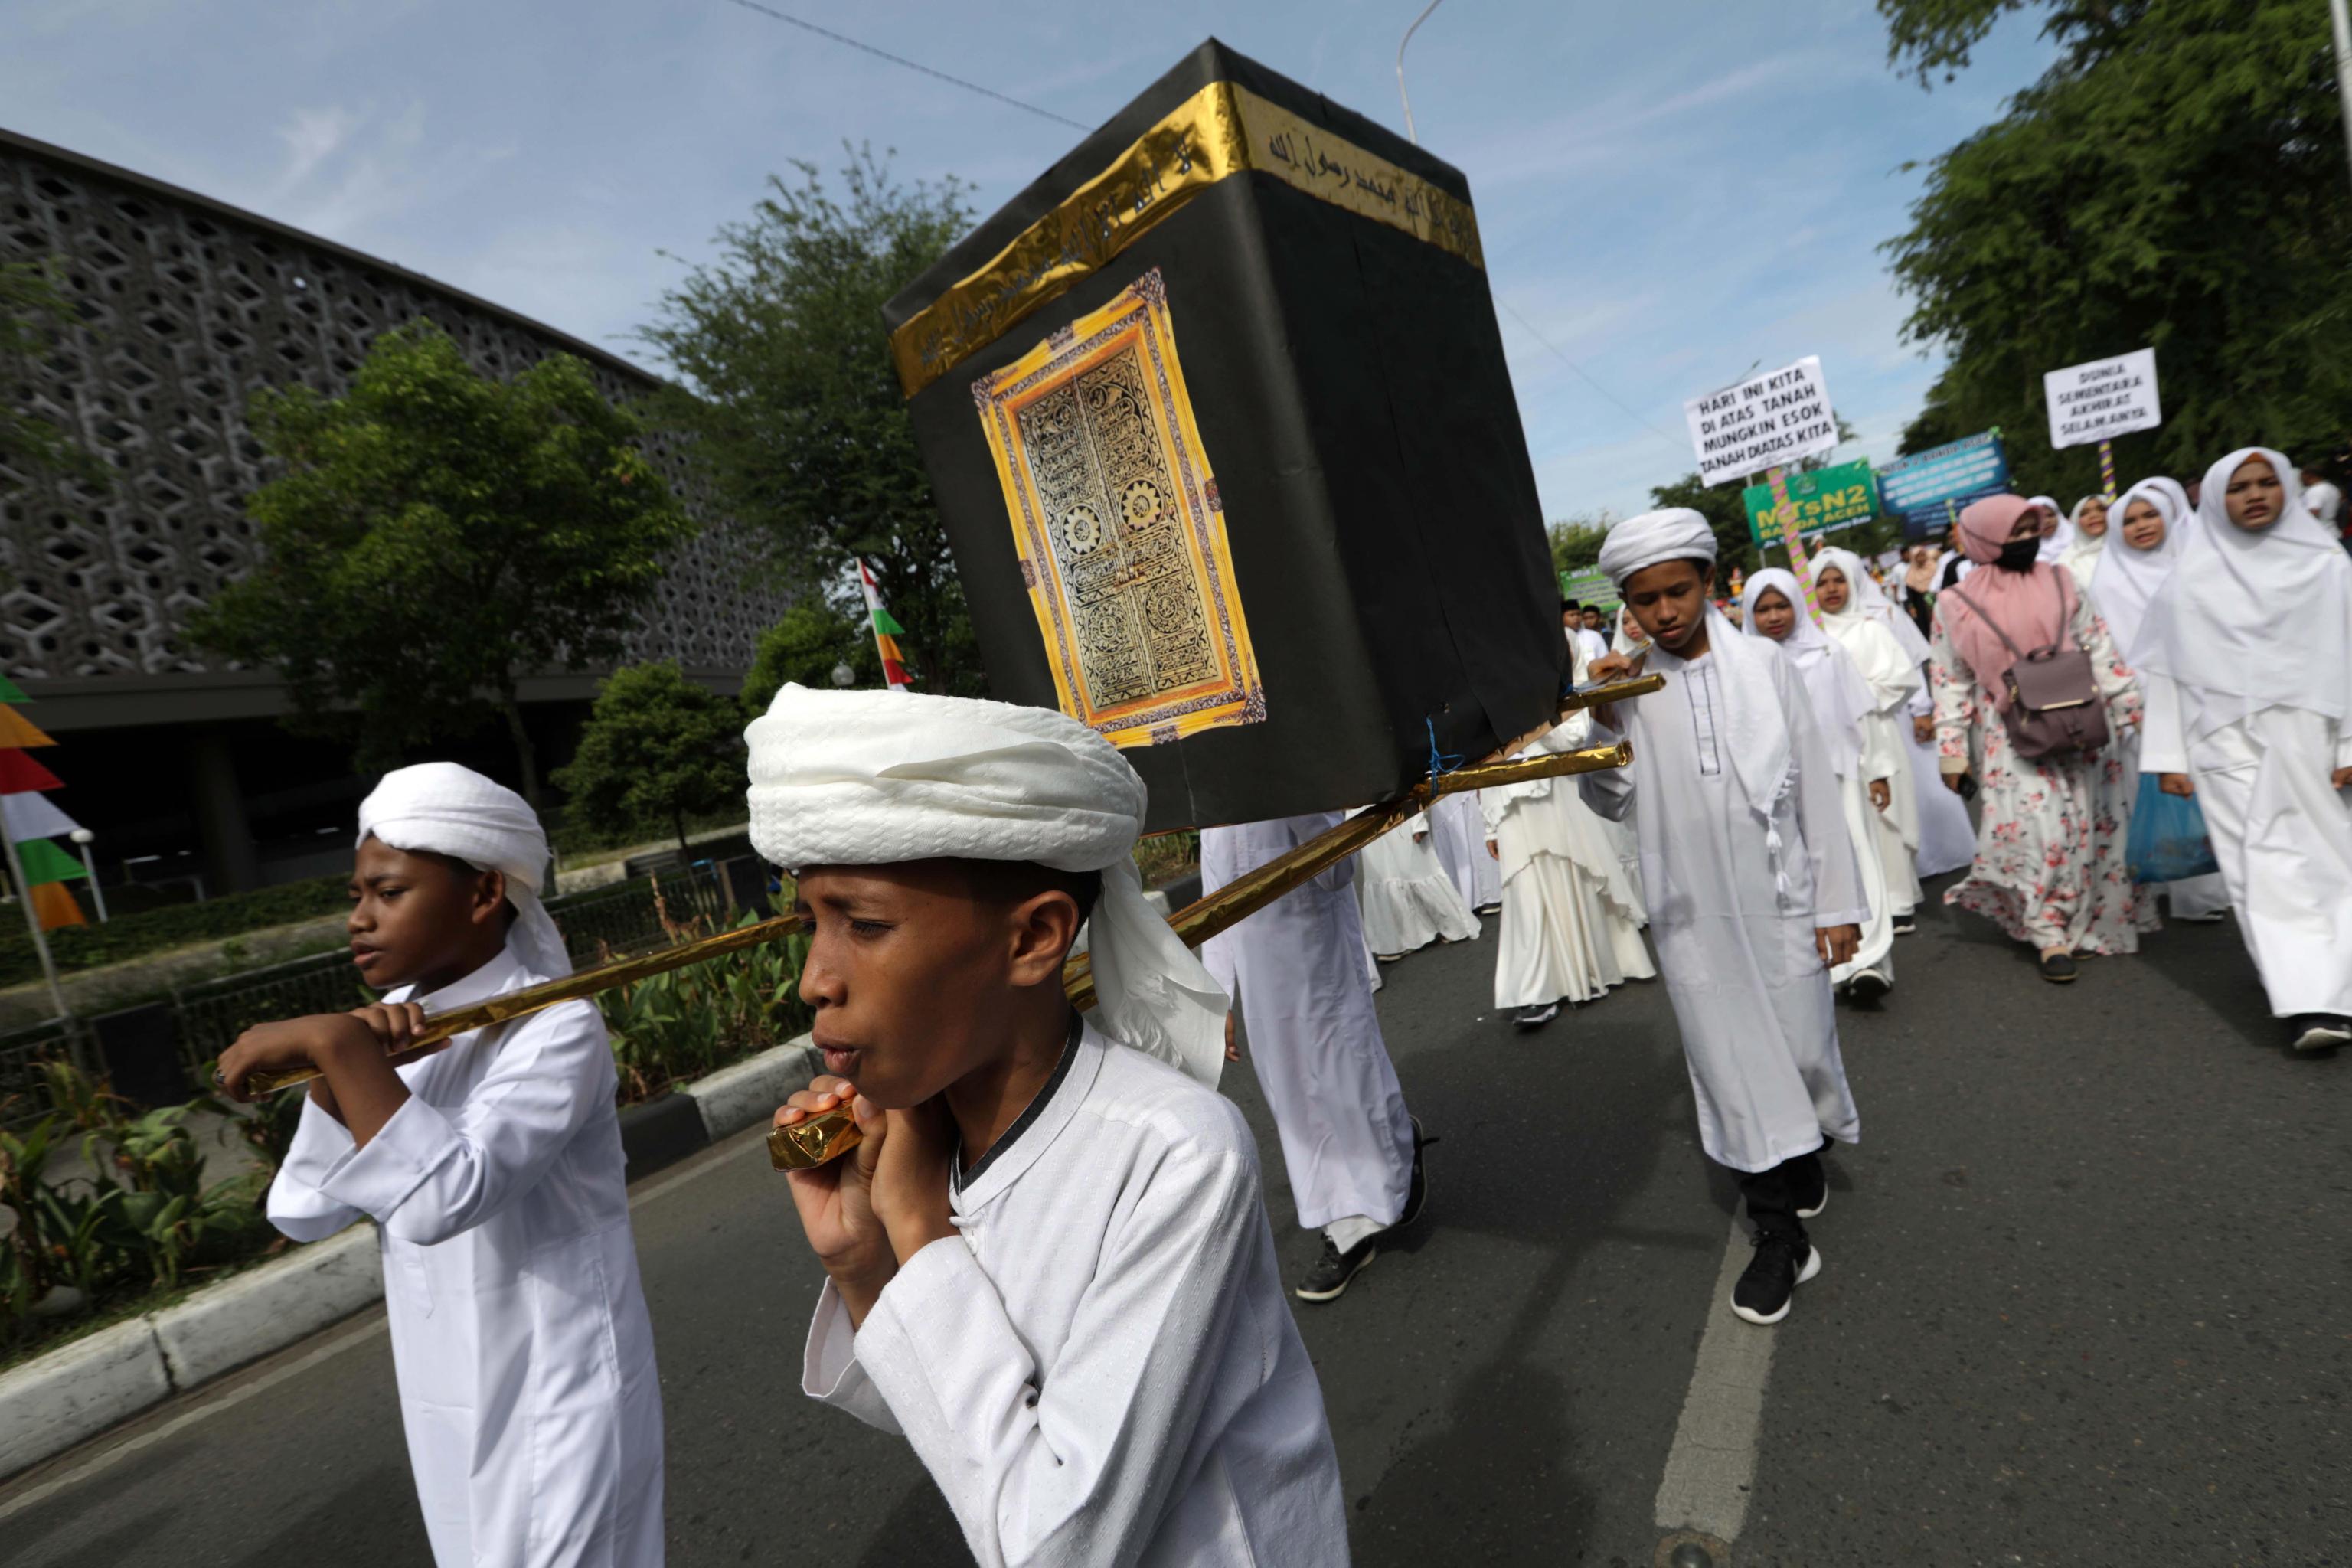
[2049, 867]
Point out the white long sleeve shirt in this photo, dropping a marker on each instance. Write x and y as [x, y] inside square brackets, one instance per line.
[1100, 1368]
[520, 1336]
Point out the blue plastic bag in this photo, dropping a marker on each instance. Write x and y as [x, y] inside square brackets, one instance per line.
[2169, 842]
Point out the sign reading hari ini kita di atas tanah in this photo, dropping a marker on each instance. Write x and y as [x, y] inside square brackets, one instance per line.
[1764, 422]
[2103, 399]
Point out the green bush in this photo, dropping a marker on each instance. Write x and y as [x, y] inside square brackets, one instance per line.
[678, 1026]
[176, 925]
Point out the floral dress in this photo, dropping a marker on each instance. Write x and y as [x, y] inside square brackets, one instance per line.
[2051, 868]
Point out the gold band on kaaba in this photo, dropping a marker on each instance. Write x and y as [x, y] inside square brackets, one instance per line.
[1118, 528]
[1222, 129]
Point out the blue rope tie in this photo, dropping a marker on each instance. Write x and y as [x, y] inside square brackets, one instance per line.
[1439, 761]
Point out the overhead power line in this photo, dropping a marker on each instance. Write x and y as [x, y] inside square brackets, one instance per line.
[1681, 448]
[791, 21]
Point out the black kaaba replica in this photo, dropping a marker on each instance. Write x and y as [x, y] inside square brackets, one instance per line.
[1217, 417]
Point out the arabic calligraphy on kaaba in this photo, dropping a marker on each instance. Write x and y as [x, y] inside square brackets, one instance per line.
[1117, 524]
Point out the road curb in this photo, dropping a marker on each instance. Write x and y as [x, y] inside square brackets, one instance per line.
[74, 1393]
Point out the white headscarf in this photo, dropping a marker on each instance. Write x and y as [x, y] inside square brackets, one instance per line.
[2130, 579]
[2083, 554]
[2325, 501]
[2255, 620]
[2058, 541]
[444, 809]
[1841, 698]
[874, 778]
[1761, 751]
[1865, 600]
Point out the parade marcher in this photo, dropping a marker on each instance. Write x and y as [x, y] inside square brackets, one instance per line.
[2089, 528]
[1863, 753]
[1754, 893]
[1890, 654]
[1459, 833]
[1630, 641]
[1915, 595]
[2247, 649]
[1405, 896]
[1572, 915]
[2151, 530]
[1047, 1264]
[494, 1171]
[2057, 533]
[2051, 868]
[1591, 644]
[1298, 973]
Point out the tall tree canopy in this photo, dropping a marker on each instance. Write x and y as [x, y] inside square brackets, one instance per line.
[795, 412]
[658, 748]
[436, 536]
[2176, 179]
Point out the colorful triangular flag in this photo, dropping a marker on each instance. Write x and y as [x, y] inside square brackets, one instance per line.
[54, 905]
[11, 692]
[886, 633]
[19, 772]
[28, 814]
[45, 862]
[16, 729]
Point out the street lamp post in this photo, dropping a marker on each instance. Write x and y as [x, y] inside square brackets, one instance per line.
[1433, 6]
[82, 838]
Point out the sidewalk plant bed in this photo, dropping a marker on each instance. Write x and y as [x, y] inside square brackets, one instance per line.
[144, 1225]
[83, 947]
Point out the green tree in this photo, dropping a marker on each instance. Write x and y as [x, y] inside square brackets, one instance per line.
[437, 535]
[2176, 179]
[33, 312]
[806, 646]
[656, 749]
[795, 410]
[1720, 505]
[1576, 539]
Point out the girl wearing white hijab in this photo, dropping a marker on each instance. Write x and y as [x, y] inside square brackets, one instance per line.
[2088, 529]
[1890, 653]
[2151, 531]
[1773, 607]
[2057, 532]
[1407, 894]
[2247, 651]
[520, 1338]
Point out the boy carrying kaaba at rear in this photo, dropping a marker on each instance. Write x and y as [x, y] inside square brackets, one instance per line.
[1048, 1263]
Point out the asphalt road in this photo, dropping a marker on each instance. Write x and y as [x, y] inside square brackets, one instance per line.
[2087, 1300]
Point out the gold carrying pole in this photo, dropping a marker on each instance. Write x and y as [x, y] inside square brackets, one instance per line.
[1196, 923]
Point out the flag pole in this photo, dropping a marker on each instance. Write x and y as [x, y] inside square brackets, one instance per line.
[33, 920]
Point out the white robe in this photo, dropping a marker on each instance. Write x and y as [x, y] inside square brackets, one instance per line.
[1750, 995]
[524, 1355]
[1897, 685]
[2282, 836]
[1099, 1366]
[1458, 831]
[1571, 925]
[1297, 971]
[1406, 898]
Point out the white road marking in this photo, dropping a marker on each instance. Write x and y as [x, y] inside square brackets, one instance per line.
[1713, 1462]
[341, 1339]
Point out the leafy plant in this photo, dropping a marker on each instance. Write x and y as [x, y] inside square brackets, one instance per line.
[658, 748]
[680, 1025]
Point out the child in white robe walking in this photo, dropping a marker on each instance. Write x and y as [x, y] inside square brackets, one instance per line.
[1047, 1262]
[493, 1169]
[2247, 656]
[1405, 894]
[1753, 891]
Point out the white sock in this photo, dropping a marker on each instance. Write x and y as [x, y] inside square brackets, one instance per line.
[1348, 1234]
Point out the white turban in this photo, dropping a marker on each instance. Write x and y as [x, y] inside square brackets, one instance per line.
[874, 778]
[444, 809]
[1676, 533]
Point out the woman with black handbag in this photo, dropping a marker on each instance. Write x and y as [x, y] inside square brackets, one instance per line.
[2027, 679]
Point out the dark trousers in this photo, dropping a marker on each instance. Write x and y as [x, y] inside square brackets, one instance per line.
[1772, 1195]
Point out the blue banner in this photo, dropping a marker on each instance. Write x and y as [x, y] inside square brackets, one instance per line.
[1929, 487]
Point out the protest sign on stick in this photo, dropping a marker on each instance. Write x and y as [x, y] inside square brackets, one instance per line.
[1771, 421]
[2100, 400]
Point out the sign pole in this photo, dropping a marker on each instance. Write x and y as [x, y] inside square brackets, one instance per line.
[1784, 512]
[2107, 471]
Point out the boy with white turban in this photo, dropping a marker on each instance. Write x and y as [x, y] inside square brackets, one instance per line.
[1753, 888]
[1048, 1263]
[492, 1167]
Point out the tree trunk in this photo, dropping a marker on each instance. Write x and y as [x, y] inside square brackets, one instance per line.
[677, 820]
[526, 758]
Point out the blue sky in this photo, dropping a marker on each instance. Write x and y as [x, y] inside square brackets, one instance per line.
[1669, 191]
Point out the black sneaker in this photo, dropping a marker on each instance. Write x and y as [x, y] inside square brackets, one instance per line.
[1783, 1261]
[1904, 925]
[1535, 1018]
[1868, 985]
[2317, 1032]
[1809, 1204]
[1335, 1268]
[1417, 1194]
[2059, 969]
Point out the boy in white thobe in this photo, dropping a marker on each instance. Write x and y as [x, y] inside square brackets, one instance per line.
[494, 1171]
[1752, 888]
[1047, 1264]
[1298, 970]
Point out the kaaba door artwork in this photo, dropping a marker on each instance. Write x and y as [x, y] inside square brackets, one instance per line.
[1115, 518]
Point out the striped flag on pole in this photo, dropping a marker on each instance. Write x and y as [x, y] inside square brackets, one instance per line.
[886, 633]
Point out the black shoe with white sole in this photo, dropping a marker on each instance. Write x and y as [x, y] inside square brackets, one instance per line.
[1335, 1268]
[1868, 985]
[2317, 1032]
[1535, 1018]
[1783, 1260]
[1904, 925]
[2059, 968]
